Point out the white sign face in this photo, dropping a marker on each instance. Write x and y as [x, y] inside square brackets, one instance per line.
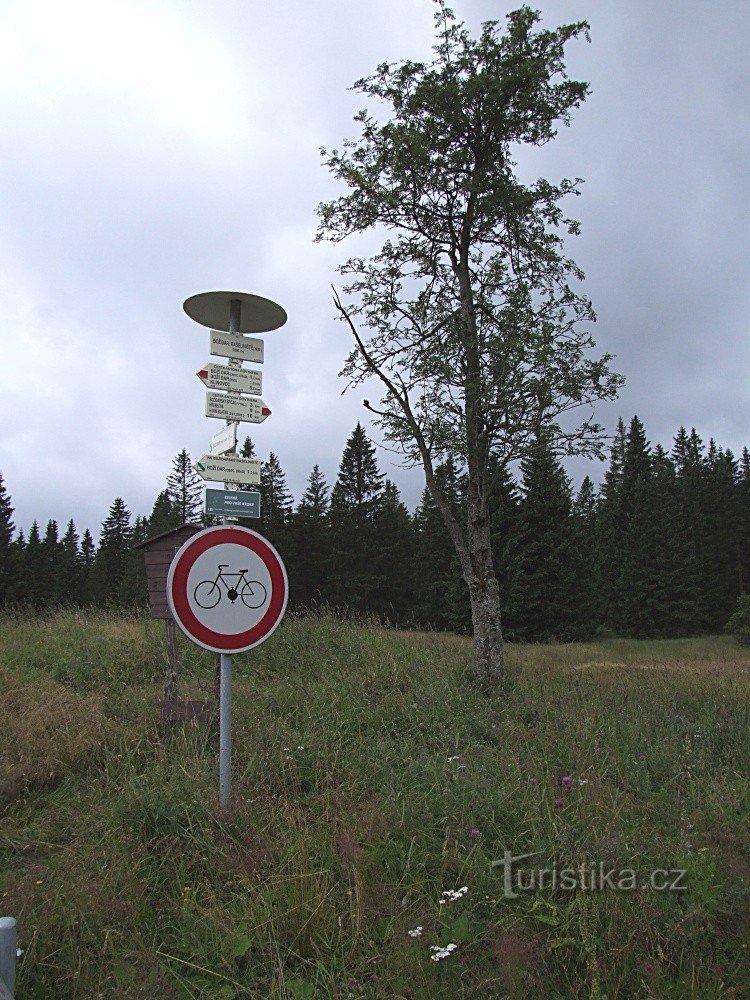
[215, 376]
[228, 589]
[224, 440]
[229, 469]
[234, 345]
[253, 411]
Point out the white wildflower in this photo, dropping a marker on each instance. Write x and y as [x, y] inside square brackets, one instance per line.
[451, 895]
[439, 953]
[417, 932]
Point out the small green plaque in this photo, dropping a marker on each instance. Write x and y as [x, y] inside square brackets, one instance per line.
[233, 503]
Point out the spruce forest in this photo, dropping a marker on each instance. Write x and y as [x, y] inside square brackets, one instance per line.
[660, 549]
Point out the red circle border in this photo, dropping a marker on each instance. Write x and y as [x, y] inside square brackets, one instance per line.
[177, 589]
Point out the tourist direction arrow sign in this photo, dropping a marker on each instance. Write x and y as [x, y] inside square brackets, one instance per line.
[233, 503]
[224, 440]
[234, 345]
[253, 411]
[229, 469]
[215, 376]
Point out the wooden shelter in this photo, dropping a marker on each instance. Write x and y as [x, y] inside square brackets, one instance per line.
[158, 553]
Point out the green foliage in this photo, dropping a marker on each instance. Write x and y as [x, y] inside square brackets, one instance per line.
[112, 554]
[739, 623]
[185, 490]
[165, 515]
[6, 540]
[275, 502]
[550, 589]
[355, 503]
[309, 545]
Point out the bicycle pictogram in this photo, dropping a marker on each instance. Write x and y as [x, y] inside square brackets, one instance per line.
[252, 593]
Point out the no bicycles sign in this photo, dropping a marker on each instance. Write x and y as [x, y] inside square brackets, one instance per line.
[227, 589]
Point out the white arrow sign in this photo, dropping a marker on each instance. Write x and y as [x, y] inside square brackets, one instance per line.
[229, 469]
[215, 376]
[253, 411]
[234, 345]
[224, 440]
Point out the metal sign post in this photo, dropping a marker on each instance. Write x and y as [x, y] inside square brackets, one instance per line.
[225, 672]
[223, 313]
[227, 590]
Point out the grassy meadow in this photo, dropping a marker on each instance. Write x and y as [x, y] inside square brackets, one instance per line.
[370, 777]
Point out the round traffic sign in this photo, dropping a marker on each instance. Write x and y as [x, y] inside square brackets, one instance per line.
[227, 588]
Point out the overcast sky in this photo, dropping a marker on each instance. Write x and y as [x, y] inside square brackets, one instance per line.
[153, 150]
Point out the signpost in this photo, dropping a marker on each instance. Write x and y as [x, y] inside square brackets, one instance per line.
[225, 345]
[225, 407]
[215, 376]
[228, 592]
[229, 469]
[224, 440]
[233, 503]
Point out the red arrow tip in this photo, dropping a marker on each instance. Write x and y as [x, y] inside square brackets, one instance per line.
[203, 373]
[265, 411]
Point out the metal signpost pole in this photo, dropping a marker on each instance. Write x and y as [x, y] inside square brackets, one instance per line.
[8, 945]
[227, 340]
[225, 672]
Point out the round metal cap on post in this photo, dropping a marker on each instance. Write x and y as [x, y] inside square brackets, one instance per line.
[213, 309]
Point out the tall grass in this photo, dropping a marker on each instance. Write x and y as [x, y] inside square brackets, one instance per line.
[369, 778]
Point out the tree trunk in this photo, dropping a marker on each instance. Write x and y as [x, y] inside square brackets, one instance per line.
[484, 593]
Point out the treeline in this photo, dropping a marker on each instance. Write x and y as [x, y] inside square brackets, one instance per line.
[662, 548]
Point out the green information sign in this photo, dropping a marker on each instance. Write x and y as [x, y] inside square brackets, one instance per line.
[233, 503]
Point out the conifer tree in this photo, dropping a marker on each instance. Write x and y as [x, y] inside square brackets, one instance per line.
[355, 499]
[308, 549]
[721, 519]
[48, 577]
[393, 596]
[133, 589]
[691, 465]
[653, 587]
[503, 501]
[610, 528]
[549, 595]
[33, 569]
[441, 600]
[18, 589]
[743, 523]
[88, 556]
[70, 575]
[7, 528]
[634, 603]
[246, 451]
[184, 490]
[111, 557]
[584, 515]
[164, 516]
[275, 502]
